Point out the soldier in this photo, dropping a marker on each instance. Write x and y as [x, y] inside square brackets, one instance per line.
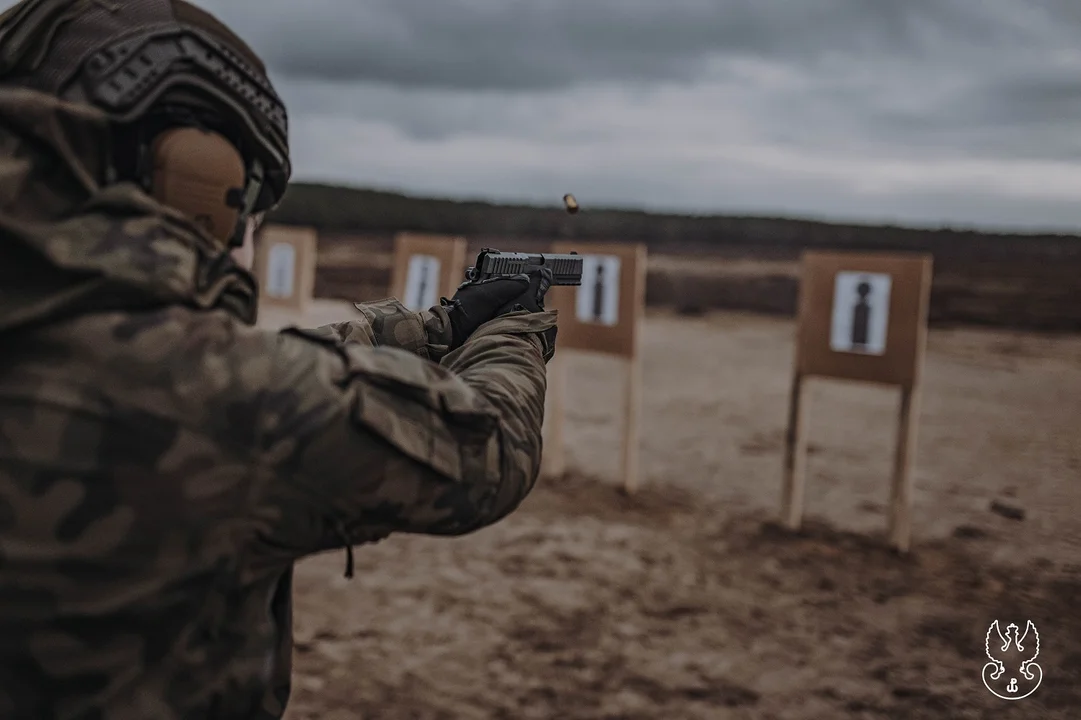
[162, 462]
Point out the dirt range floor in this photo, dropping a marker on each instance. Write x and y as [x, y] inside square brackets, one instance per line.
[685, 601]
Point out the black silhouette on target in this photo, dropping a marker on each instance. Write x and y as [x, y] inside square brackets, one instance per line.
[861, 316]
[422, 286]
[598, 294]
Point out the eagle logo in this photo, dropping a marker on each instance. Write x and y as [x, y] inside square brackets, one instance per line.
[1012, 673]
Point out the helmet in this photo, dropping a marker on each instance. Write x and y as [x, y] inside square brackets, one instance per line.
[156, 67]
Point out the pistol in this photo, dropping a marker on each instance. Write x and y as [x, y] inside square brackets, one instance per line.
[566, 268]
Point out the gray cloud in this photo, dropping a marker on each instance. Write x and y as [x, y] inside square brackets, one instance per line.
[923, 111]
[932, 111]
[521, 45]
[676, 149]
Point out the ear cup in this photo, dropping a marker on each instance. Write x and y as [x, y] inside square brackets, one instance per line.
[200, 174]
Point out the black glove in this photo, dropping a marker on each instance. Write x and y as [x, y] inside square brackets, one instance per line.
[476, 303]
[533, 301]
[533, 298]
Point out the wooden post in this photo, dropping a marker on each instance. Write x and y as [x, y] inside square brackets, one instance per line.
[633, 391]
[900, 528]
[615, 334]
[553, 457]
[633, 400]
[795, 454]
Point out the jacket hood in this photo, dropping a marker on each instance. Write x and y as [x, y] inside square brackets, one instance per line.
[72, 243]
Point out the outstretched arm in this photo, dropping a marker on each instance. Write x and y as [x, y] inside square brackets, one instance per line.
[359, 442]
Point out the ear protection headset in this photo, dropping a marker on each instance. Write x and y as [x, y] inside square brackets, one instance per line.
[203, 175]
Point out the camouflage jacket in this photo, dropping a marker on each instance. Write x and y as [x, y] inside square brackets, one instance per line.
[163, 462]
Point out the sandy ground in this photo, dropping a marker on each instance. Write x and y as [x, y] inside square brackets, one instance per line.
[685, 601]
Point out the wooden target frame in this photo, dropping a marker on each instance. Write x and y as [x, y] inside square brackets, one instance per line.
[621, 338]
[285, 260]
[447, 250]
[883, 344]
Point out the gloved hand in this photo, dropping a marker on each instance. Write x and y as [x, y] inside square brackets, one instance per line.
[533, 301]
[533, 297]
[476, 303]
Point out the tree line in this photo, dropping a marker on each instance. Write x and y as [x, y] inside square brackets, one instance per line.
[348, 210]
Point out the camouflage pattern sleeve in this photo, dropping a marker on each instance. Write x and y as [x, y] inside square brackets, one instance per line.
[362, 442]
[388, 323]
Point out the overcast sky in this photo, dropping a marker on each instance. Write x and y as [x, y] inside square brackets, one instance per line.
[966, 112]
